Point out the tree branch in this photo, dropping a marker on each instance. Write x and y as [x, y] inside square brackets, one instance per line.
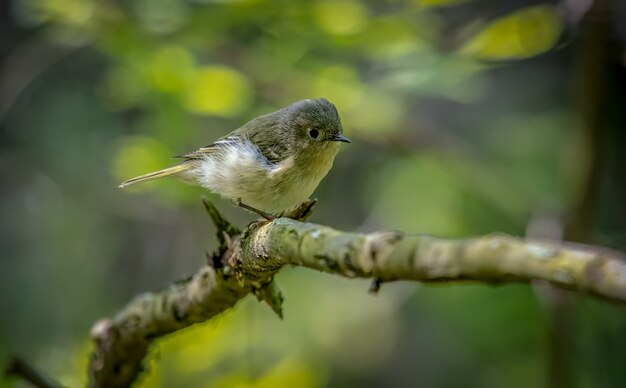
[20, 368]
[247, 264]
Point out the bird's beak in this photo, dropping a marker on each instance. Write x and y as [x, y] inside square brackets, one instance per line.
[342, 138]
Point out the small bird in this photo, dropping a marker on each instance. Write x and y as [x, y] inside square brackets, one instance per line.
[272, 163]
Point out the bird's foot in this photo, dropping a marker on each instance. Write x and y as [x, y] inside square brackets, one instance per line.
[301, 212]
[263, 214]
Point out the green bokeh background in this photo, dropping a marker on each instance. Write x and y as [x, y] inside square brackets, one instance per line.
[467, 118]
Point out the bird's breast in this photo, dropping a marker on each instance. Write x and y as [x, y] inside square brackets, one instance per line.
[242, 172]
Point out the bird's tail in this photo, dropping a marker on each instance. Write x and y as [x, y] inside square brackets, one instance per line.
[156, 175]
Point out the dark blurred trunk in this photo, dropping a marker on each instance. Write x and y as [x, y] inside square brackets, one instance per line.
[592, 48]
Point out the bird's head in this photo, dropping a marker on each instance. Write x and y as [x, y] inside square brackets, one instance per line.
[315, 125]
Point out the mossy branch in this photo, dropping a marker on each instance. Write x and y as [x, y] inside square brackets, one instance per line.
[248, 262]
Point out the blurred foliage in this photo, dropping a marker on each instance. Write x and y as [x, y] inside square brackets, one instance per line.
[522, 34]
[463, 122]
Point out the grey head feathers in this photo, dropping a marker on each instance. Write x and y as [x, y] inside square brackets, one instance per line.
[319, 114]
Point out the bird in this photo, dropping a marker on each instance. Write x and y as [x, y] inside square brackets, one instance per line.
[269, 165]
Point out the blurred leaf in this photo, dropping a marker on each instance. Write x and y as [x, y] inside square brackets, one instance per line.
[218, 91]
[390, 36]
[291, 373]
[171, 68]
[376, 113]
[125, 42]
[343, 17]
[339, 84]
[287, 373]
[521, 34]
[68, 12]
[79, 358]
[429, 73]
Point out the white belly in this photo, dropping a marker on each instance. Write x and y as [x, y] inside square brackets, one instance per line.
[242, 172]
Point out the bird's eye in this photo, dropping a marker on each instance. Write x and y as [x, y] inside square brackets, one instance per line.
[314, 133]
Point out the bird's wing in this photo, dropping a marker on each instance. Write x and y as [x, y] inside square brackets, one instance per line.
[275, 147]
[275, 152]
[200, 153]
